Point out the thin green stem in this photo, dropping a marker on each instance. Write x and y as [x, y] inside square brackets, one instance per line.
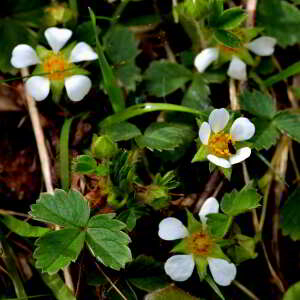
[118, 12]
[245, 290]
[141, 109]
[264, 207]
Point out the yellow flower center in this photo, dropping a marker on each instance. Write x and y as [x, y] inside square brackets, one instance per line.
[56, 67]
[221, 144]
[200, 243]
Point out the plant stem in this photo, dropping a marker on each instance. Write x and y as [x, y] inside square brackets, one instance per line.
[245, 290]
[44, 157]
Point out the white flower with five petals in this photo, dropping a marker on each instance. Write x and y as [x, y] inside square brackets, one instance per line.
[180, 267]
[221, 145]
[262, 46]
[55, 65]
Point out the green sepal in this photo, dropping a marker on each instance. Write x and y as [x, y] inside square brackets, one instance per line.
[201, 154]
[226, 171]
[43, 52]
[67, 50]
[57, 87]
[201, 265]
[218, 253]
[180, 248]
[211, 167]
[193, 224]
[213, 285]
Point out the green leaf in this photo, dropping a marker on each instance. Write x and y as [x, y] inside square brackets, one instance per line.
[165, 136]
[110, 84]
[293, 69]
[61, 208]
[236, 203]
[107, 243]
[146, 274]
[227, 38]
[284, 26]
[122, 131]
[121, 47]
[244, 250]
[56, 250]
[201, 154]
[290, 216]
[163, 77]
[218, 224]
[64, 154]
[22, 228]
[57, 286]
[215, 10]
[197, 95]
[84, 164]
[231, 18]
[258, 104]
[266, 134]
[171, 293]
[293, 293]
[288, 123]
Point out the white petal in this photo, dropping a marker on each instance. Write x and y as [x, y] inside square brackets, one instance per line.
[218, 119]
[57, 37]
[204, 133]
[210, 206]
[82, 52]
[180, 267]
[222, 271]
[205, 58]
[38, 87]
[171, 229]
[240, 155]
[24, 56]
[242, 129]
[263, 46]
[219, 161]
[77, 87]
[237, 69]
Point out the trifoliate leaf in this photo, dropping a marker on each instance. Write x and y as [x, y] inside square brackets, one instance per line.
[218, 224]
[61, 208]
[284, 26]
[227, 38]
[106, 242]
[258, 104]
[266, 134]
[122, 131]
[288, 123]
[147, 274]
[171, 293]
[165, 136]
[293, 293]
[197, 95]
[231, 18]
[22, 228]
[163, 77]
[236, 203]
[55, 250]
[290, 216]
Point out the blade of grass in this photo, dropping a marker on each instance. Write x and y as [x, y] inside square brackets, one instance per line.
[114, 92]
[290, 71]
[64, 154]
[140, 109]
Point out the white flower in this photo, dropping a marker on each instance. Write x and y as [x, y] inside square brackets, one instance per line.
[180, 267]
[221, 144]
[262, 46]
[55, 65]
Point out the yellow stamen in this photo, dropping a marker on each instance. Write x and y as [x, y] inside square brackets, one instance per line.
[56, 67]
[218, 144]
[200, 243]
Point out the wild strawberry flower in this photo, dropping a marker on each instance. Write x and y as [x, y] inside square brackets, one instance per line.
[221, 144]
[200, 247]
[57, 65]
[262, 46]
